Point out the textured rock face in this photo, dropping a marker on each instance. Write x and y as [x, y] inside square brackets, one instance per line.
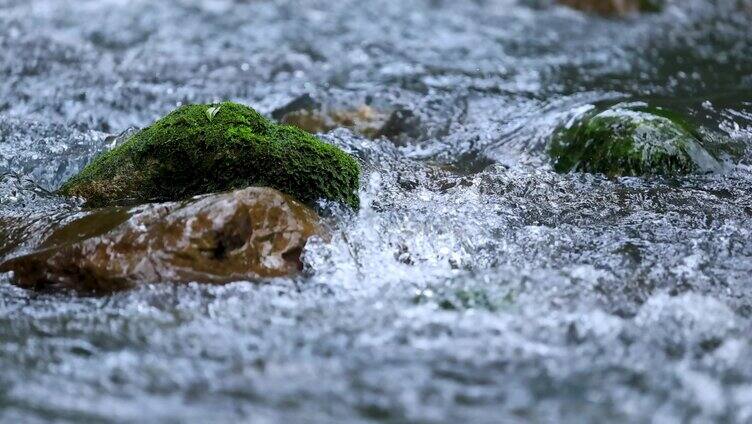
[200, 149]
[364, 120]
[246, 234]
[310, 115]
[614, 7]
[636, 140]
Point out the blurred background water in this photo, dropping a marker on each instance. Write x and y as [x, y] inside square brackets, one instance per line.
[475, 284]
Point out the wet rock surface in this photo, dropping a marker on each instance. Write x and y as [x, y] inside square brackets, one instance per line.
[199, 149]
[314, 116]
[638, 140]
[29, 213]
[615, 7]
[474, 284]
[246, 234]
[363, 120]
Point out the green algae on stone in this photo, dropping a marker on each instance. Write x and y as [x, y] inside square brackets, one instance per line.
[635, 139]
[466, 296]
[654, 6]
[208, 148]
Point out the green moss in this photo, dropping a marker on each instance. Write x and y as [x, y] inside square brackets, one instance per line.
[651, 5]
[634, 140]
[464, 297]
[467, 299]
[207, 148]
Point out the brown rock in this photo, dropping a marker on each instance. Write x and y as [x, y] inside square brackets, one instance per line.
[363, 119]
[246, 234]
[608, 7]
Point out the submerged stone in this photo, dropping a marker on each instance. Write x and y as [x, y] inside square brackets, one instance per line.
[28, 213]
[200, 149]
[636, 140]
[246, 234]
[307, 115]
[615, 7]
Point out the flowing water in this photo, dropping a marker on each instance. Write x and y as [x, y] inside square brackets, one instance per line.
[474, 284]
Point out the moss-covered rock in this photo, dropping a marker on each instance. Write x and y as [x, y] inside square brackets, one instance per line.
[207, 148]
[635, 139]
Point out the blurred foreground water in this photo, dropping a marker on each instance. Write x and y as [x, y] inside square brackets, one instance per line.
[475, 284]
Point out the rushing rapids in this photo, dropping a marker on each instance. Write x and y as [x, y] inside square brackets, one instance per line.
[474, 283]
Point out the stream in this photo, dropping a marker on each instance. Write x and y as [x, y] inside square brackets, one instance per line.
[475, 284]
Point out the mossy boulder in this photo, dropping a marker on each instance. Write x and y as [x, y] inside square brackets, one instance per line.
[203, 148]
[636, 139]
